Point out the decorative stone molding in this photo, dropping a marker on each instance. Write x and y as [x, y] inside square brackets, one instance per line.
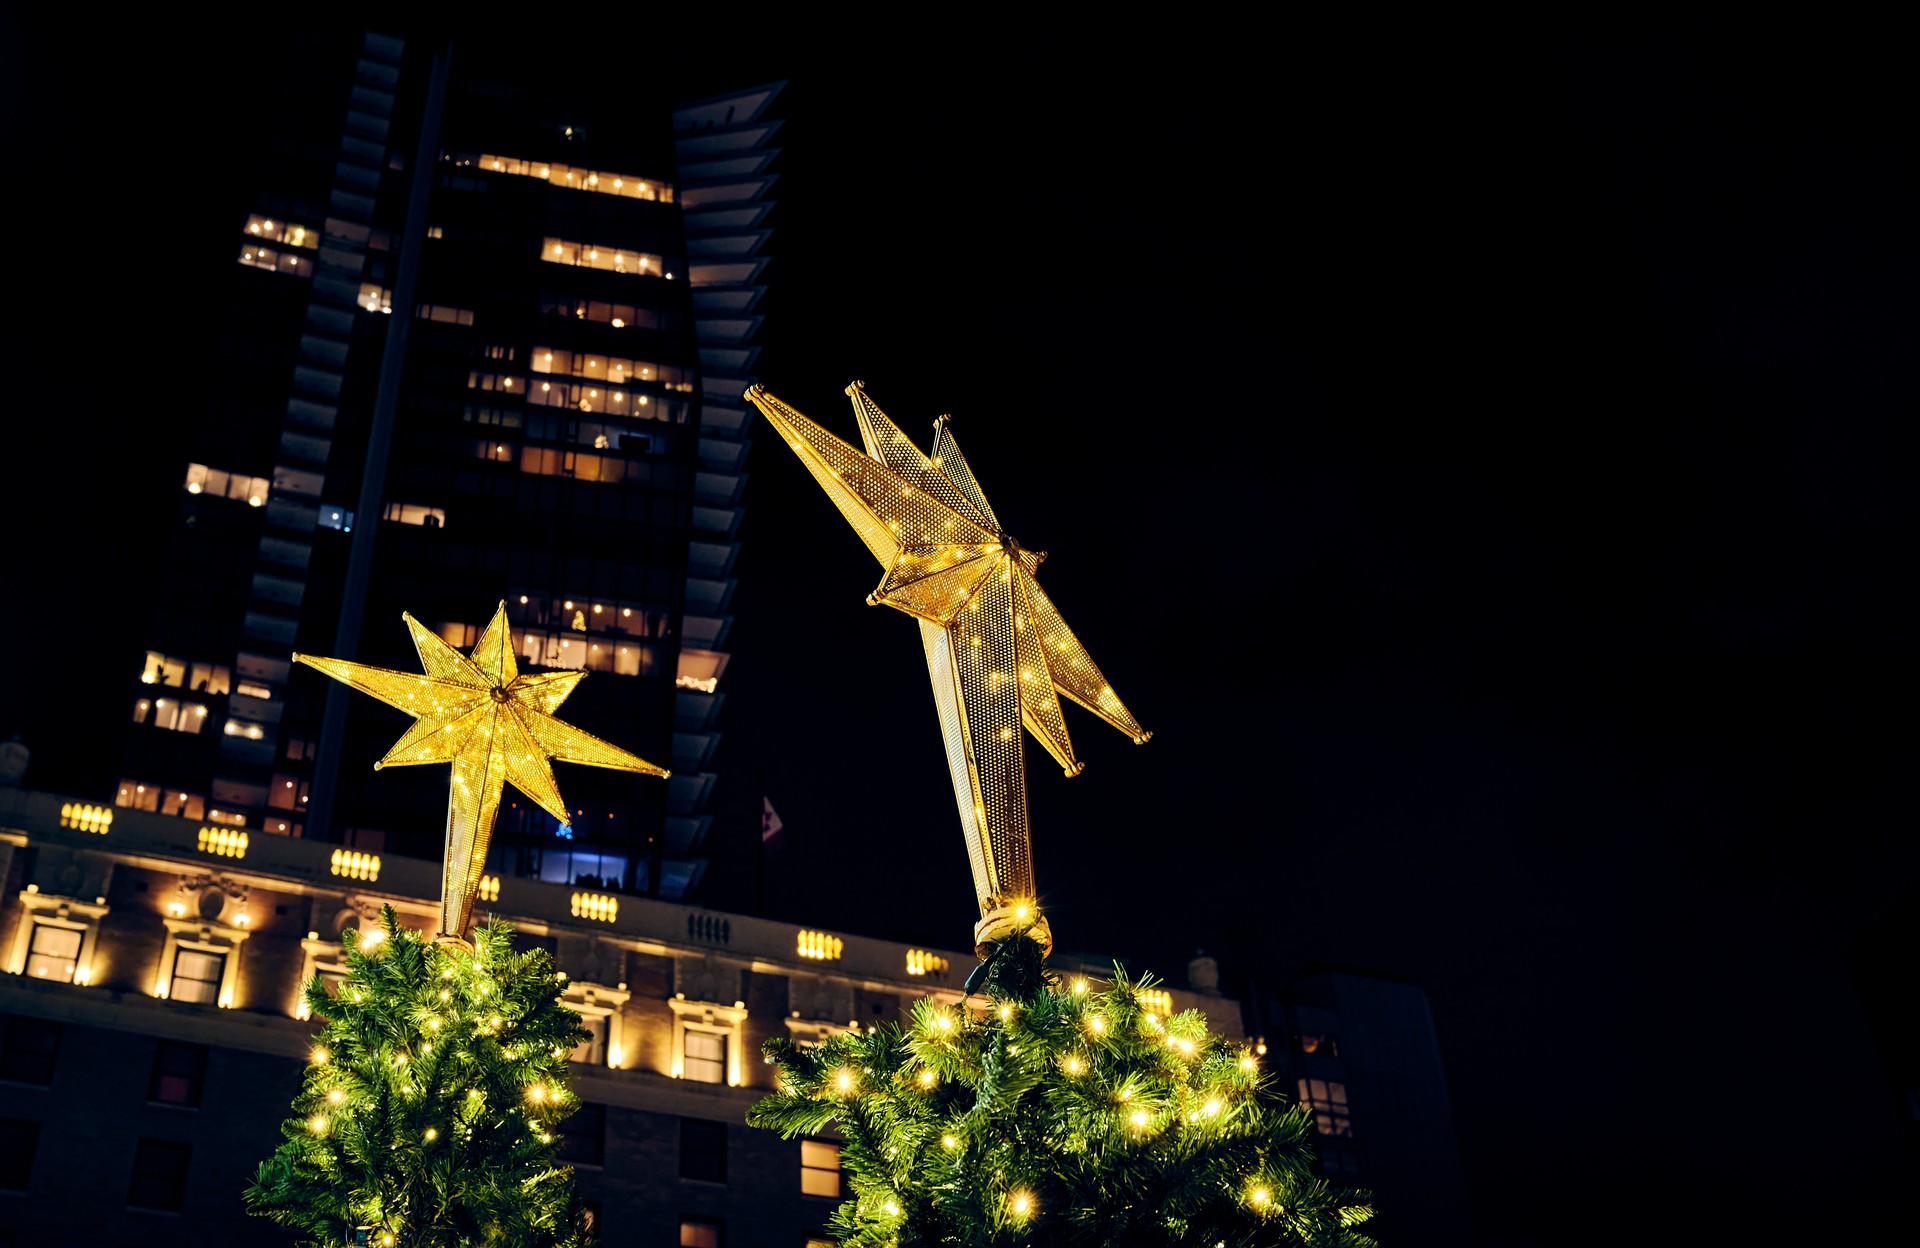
[712, 1018]
[43, 909]
[212, 938]
[595, 1003]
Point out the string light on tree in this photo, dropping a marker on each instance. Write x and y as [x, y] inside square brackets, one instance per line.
[1032, 1133]
[392, 1131]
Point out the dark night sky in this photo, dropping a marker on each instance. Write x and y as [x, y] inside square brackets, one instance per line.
[1482, 458]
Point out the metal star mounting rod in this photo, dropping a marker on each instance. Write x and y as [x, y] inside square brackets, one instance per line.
[495, 726]
[998, 652]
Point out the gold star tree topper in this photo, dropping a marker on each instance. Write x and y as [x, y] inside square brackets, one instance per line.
[495, 726]
[998, 652]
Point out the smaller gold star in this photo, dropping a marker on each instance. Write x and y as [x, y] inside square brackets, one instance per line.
[495, 726]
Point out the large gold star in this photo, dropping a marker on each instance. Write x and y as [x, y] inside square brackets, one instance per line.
[998, 652]
[495, 726]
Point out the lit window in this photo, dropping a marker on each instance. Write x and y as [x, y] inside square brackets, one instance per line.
[599, 181]
[702, 1233]
[173, 714]
[287, 792]
[54, 951]
[416, 513]
[274, 230]
[592, 1050]
[706, 1060]
[279, 260]
[820, 1168]
[217, 483]
[197, 976]
[160, 799]
[1329, 1101]
[609, 259]
[56, 938]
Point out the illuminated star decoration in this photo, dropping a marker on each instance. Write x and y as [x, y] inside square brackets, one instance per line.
[998, 653]
[495, 726]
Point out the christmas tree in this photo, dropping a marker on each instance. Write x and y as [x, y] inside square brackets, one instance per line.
[1059, 1114]
[429, 1114]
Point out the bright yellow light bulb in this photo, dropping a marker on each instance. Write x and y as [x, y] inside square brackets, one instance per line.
[1261, 1196]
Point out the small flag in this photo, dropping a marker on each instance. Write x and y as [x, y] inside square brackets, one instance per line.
[770, 826]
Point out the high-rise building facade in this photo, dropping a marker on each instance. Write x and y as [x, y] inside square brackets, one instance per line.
[490, 321]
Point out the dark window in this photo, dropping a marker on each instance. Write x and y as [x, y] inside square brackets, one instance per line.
[178, 1072]
[583, 1136]
[17, 1143]
[159, 1175]
[703, 1150]
[1339, 1165]
[28, 1052]
[703, 1233]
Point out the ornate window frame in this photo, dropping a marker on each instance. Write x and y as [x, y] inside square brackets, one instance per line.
[807, 1032]
[39, 908]
[711, 1018]
[200, 936]
[316, 955]
[597, 1001]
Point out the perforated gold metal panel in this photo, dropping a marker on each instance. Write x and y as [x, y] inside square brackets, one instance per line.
[998, 653]
[495, 727]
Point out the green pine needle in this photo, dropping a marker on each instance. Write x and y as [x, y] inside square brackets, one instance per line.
[1057, 1117]
[431, 1108]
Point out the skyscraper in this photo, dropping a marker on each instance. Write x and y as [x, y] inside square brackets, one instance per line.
[489, 324]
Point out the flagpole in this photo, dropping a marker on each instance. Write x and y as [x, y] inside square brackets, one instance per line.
[760, 847]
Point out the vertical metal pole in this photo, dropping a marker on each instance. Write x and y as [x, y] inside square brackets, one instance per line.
[366, 523]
